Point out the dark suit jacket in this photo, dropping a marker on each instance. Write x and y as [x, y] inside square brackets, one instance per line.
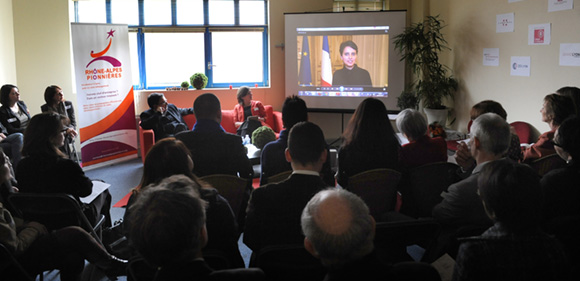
[423, 151]
[214, 151]
[65, 109]
[197, 270]
[9, 119]
[367, 268]
[274, 210]
[273, 161]
[461, 205]
[163, 126]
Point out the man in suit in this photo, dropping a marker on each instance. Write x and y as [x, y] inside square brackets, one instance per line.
[272, 158]
[214, 151]
[167, 227]
[273, 213]
[165, 119]
[461, 213]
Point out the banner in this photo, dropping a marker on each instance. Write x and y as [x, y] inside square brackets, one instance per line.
[104, 93]
[305, 76]
[326, 64]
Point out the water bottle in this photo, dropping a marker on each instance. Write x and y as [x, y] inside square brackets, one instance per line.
[246, 140]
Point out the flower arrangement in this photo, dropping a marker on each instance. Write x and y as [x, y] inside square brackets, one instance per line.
[198, 80]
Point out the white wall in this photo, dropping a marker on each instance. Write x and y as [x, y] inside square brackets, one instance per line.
[7, 60]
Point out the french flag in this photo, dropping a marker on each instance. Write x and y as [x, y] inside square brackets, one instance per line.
[326, 72]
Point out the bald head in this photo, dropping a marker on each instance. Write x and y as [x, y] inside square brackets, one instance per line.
[337, 227]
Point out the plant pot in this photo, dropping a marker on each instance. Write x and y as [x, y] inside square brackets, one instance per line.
[436, 115]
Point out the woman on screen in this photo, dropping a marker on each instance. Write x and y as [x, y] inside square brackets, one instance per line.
[350, 74]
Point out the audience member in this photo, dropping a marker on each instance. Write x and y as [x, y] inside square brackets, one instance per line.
[273, 214]
[168, 230]
[369, 142]
[12, 144]
[421, 149]
[561, 191]
[38, 250]
[573, 93]
[165, 119]
[212, 149]
[170, 157]
[340, 231]
[514, 152]
[490, 137]
[13, 112]
[272, 158]
[555, 109]
[248, 114]
[514, 248]
[45, 169]
[55, 103]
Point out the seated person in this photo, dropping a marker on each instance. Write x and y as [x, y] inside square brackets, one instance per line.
[340, 231]
[38, 250]
[421, 149]
[248, 114]
[55, 102]
[273, 213]
[350, 74]
[165, 119]
[170, 157]
[514, 248]
[514, 152]
[12, 144]
[461, 206]
[561, 192]
[573, 93]
[272, 159]
[556, 108]
[213, 150]
[45, 169]
[168, 229]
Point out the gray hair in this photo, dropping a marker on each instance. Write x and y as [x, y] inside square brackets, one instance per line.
[335, 250]
[412, 123]
[493, 133]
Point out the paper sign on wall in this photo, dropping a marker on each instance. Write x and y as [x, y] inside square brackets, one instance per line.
[504, 23]
[539, 34]
[560, 5]
[570, 54]
[520, 66]
[491, 56]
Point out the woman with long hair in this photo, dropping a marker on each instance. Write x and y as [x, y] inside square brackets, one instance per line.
[55, 102]
[369, 142]
[45, 169]
[169, 157]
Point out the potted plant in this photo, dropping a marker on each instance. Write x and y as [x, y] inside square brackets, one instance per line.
[407, 99]
[184, 85]
[198, 80]
[419, 46]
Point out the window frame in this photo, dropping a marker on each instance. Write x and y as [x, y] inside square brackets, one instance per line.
[206, 28]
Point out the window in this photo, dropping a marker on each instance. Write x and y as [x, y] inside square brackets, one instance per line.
[170, 40]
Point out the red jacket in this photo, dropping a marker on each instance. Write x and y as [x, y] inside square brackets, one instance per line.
[257, 110]
[423, 151]
[543, 147]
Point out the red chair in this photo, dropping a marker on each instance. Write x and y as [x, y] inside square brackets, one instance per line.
[525, 131]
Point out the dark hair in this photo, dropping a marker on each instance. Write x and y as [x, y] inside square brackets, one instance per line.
[370, 127]
[306, 143]
[39, 133]
[167, 157]
[558, 108]
[487, 106]
[294, 110]
[348, 43]
[153, 99]
[5, 94]
[569, 137]
[165, 226]
[207, 106]
[242, 92]
[511, 192]
[573, 93]
[49, 93]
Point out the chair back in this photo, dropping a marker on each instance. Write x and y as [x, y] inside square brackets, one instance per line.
[10, 268]
[547, 163]
[525, 131]
[423, 186]
[279, 177]
[289, 262]
[53, 210]
[234, 189]
[392, 238]
[377, 188]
